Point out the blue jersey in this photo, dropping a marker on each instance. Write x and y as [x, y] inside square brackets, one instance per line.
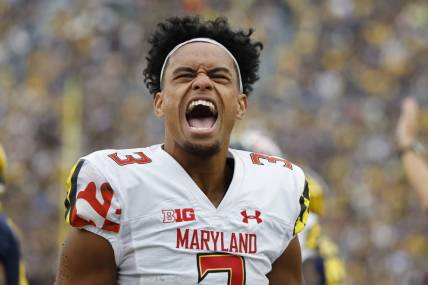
[10, 254]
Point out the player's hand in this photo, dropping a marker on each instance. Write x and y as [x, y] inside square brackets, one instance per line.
[407, 127]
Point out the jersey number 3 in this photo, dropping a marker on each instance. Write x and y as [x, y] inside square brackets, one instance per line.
[234, 265]
[137, 157]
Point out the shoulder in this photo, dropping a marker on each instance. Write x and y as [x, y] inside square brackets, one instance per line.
[261, 159]
[110, 164]
[271, 167]
[5, 229]
[97, 184]
[121, 157]
[8, 238]
[287, 189]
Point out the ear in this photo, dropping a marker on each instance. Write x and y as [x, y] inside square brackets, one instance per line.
[158, 105]
[242, 106]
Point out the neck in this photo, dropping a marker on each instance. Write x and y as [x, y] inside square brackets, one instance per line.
[211, 174]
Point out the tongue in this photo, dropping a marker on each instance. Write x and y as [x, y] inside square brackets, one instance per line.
[202, 123]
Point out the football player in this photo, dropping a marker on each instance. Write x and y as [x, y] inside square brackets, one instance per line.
[12, 271]
[190, 210]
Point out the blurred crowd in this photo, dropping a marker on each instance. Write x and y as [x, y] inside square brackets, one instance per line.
[333, 73]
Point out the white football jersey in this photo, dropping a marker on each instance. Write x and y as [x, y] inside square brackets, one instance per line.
[164, 230]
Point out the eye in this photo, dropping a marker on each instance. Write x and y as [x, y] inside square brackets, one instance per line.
[219, 77]
[184, 76]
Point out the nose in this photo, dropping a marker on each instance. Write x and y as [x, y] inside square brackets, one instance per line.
[202, 82]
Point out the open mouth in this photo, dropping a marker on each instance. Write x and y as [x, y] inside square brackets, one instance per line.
[201, 114]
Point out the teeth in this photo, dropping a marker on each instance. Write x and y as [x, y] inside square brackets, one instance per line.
[195, 103]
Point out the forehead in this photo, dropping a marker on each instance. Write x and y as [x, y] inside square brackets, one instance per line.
[201, 54]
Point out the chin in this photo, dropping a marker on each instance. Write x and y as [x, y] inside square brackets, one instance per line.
[203, 151]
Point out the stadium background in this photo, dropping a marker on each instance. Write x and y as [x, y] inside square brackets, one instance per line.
[332, 75]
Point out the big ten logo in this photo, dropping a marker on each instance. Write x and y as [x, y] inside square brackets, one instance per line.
[178, 215]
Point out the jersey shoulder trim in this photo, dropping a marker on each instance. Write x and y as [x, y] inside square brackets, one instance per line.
[304, 210]
[71, 188]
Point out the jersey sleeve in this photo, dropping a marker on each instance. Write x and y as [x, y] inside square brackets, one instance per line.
[303, 200]
[91, 201]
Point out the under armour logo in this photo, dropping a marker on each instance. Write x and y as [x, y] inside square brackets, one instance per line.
[256, 216]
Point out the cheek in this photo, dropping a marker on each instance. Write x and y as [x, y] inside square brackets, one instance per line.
[231, 111]
[171, 104]
[172, 112]
[175, 89]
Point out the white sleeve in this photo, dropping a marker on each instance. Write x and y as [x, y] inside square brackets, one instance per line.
[92, 204]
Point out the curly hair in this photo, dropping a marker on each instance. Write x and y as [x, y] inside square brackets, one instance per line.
[176, 30]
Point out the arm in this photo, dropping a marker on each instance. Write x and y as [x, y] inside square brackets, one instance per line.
[86, 259]
[416, 169]
[287, 269]
[2, 275]
[415, 166]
